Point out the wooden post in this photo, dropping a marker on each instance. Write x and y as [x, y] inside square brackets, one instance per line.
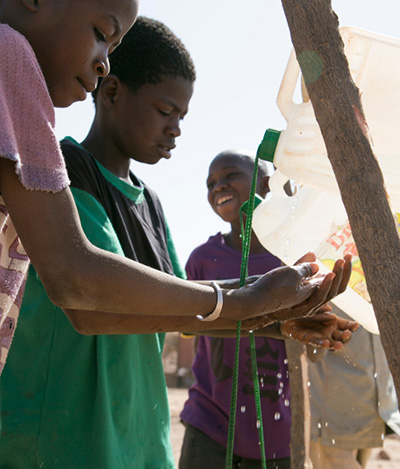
[337, 105]
[299, 405]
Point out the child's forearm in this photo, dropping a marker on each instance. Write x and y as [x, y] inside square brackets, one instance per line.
[99, 323]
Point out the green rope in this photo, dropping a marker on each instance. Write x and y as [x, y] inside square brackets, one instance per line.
[246, 239]
[265, 151]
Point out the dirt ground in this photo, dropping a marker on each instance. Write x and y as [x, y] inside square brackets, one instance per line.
[387, 457]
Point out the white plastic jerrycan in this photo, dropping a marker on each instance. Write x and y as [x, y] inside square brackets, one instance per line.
[374, 62]
[312, 220]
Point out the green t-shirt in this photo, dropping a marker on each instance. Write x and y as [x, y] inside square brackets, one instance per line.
[74, 401]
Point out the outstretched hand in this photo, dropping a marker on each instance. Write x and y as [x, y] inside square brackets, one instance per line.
[328, 286]
[281, 289]
[295, 291]
[324, 330]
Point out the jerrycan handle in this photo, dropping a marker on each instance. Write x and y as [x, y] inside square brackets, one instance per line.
[277, 184]
[284, 99]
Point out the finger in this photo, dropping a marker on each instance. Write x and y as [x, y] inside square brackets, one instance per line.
[307, 269]
[345, 324]
[325, 308]
[338, 271]
[319, 318]
[336, 346]
[318, 342]
[309, 257]
[346, 273]
[321, 295]
[341, 336]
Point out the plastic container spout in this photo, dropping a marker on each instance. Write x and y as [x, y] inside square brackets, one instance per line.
[267, 147]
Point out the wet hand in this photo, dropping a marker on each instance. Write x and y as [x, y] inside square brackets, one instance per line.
[328, 287]
[324, 330]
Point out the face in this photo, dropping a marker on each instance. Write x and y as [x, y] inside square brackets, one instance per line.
[72, 41]
[147, 122]
[229, 183]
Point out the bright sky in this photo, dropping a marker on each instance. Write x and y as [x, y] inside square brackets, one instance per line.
[240, 49]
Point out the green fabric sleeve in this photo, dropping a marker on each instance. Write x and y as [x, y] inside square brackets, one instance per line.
[95, 222]
[178, 269]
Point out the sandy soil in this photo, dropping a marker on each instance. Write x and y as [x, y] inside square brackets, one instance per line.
[387, 457]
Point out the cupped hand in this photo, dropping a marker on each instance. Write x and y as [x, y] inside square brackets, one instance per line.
[324, 330]
[329, 286]
[281, 289]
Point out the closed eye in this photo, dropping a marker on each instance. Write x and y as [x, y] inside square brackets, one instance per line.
[99, 35]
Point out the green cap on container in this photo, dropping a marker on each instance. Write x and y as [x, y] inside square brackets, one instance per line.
[266, 149]
[245, 207]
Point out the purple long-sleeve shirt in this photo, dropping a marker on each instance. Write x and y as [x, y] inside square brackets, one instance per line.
[208, 405]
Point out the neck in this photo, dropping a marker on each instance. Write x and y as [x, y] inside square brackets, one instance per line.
[102, 148]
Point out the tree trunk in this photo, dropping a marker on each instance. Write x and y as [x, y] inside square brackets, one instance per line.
[337, 106]
[300, 405]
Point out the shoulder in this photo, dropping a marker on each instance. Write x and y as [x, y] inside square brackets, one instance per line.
[11, 37]
[71, 149]
[152, 197]
[81, 166]
[76, 157]
[15, 49]
[205, 251]
[150, 192]
[213, 243]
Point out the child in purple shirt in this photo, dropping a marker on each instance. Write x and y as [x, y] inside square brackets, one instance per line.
[206, 412]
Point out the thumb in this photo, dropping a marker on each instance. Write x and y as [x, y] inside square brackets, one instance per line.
[307, 269]
[308, 257]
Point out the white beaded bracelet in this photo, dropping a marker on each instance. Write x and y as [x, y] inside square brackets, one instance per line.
[218, 307]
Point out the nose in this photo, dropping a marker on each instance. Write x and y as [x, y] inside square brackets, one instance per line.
[175, 128]
[102, 67]
[219, 185]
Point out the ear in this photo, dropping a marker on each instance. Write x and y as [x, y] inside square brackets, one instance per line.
[263, 186]
[32, 5]
[109, 90]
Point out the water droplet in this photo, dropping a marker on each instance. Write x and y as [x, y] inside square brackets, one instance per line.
[154, 408]
[279, 375]
[375, 375]
[243, 409]
[319, 425]
[277, 416]
[285, 361]
[308, 383]
[258, 424]
[281, 384]
[383, 436]
[326, 424]
[286, 402]
[280, 391]
[333, 441]
[315, 350]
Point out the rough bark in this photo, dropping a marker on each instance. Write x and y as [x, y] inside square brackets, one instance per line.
[300, 406]
[337, 106]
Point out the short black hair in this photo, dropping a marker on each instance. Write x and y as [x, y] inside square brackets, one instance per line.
[247, 157]
[148, 53]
